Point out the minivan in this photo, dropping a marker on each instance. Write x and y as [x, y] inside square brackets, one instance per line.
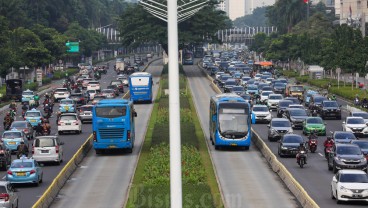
[47, 149]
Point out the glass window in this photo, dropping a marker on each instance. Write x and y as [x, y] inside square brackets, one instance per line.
[362, 144]
[139, 81]
[284, 104]
[21, 165]
[111, 112]
[292, 139]
[33, 114]
[260, 109]
[298, 113]
[355, 121]
[11, 135]
[363, 115]
[27, 93]
[66, 102]
[296, 88]
[344, 135]
[86, 108]
[330, 104]
[19, 125]
[354, 178]
[275, 97]
[314, 121]
[281, 124]
[61, 90]
[233, 122]
[68, 117]
[349, 150]
[3, 189]
[44, 143]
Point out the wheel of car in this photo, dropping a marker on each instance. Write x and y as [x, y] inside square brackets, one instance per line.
[332, 196]
[60, 132]
[41, 178]
[337, 199]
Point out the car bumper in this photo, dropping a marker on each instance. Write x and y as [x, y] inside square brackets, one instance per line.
[5, 204]
[289, 152]
[319, 131]
[86, 117]
[11, 147]
[263, 119]
[361, 166]
[59, 97]
[350, 196]
[331, 114]
[69, 128]
[27, 179]
[51, 158]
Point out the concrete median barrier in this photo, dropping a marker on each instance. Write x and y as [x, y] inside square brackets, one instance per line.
[293, 185]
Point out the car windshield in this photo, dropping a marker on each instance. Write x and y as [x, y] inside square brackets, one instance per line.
[362, 144]
[66, 102]
[355, 121]
[275, 97]
[21, 164]
[280, 124]
[252, 87]
[33, 114]
[298, 112]
[86, 108]
[294, 100]
[319, 99]
[230, 83]
[330, 104]
[93, 83]
[296, 88]
[68, 117]
[284, 104]
[12, 135]
[260, 109]
[353, 178]
[293, 139]
[107, 91]
[363, 115]
[314, 121]
[27, 93]
[344, 135]
[266, 93]
[111, 112]
[45, 142]
[245, 96]
[61, 90]
[18, 125]
[246, 78]
[348, 150]
[279, 85]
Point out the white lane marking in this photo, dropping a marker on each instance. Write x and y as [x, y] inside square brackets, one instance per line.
[321, 154]
[83, 166]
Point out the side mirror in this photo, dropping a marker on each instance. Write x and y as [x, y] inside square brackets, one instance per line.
[343, 122]
[334, 179]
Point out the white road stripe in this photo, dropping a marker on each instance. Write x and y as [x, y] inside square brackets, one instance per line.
[321, 154]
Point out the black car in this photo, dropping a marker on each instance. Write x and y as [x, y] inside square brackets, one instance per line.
[289, 145]
[78, 98]
[119, 84]
[316, 101]
[115, 88]
[346, 156]
[279, 88]
[343, 136]
[283, 105]
[329, 108]
[295, 100]
[296, 116]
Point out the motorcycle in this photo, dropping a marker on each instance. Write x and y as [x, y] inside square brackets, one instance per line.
[7, 126]
[45, 131]
[314, 113]
[302, 158]
[328, 149]
[312, 144]
[365, 105]
[356, 101]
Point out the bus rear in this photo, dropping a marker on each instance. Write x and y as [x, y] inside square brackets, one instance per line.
[14, 89]
[140, 87]
[188, 58]
[113, 125]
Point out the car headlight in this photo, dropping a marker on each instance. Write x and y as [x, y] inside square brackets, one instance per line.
[290, 130]
[284, 148]
[269, 116]
[348, 128]
[342, 188]
[273, 131]
[338, 159]
[363, 160]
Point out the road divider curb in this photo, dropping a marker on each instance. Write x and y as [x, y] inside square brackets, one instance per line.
[293, 185]
[57, 184]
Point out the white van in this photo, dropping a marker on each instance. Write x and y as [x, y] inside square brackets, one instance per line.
[47, 149]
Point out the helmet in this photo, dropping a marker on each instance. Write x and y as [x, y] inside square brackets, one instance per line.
[47, 105]
[329, 138]
[22, 142]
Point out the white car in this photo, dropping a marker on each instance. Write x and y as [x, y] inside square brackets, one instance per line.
[61, 93]
[85, 82]
[356, 125]
[94, 85]
[262, 113]
[69, 122]
[264, 95]
[350, 185]
[48, 149]
[362, 114]
[91, 94]
[124, 79]
[273, 100]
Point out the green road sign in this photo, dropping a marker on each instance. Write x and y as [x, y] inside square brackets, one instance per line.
[73, 47]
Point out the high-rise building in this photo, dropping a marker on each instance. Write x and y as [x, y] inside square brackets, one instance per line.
[235, 8]
[252, 4]
[239, 8]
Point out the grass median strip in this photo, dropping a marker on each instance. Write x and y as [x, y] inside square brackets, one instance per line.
[151, 184]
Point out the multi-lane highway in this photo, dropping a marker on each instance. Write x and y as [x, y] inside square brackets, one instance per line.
[103, 180]
[244, 176]
[315, 177]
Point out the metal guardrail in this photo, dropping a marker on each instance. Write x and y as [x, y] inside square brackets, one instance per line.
[57, 184]
[293, 185]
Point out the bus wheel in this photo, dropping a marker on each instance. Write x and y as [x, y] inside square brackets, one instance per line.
[98, 151]
[217, 147]
[246, 148]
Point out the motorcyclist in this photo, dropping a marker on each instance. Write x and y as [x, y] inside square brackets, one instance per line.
[313, 135]
[58, 117]
[24, 108]
[329, 142]
[356, 99]
[36, 98]
[333, 97]
[13, 105]
[300, 149]
[46, 125]
[39, 129]
[47, 96]
[364, 102]
[8, 120]
[22, 149]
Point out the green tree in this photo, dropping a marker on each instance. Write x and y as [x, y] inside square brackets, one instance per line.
[6, 52]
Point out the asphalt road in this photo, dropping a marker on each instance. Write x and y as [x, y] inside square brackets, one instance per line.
[103, 180]
[315, 176]
[29, 194]
[245, 178]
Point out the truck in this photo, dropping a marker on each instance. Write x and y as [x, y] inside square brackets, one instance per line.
[294, 90]
[120, 65]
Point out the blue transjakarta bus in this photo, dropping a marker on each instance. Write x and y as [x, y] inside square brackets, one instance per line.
[140, 87]
[188, 58]
[230, 121]
[113, 125]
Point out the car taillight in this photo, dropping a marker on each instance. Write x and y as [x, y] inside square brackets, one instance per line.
[94, 136]
[59, 123]
[128, 135]
[82, 99]
[75, 122]
[32, 172]
[10, 172]
[57, 149]
[4, 196]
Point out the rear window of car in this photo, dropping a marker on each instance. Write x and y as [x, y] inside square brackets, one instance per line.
[93, 82]
[44, 143]
[86, 108]
[19, 124]
[68, 117]
[12, 135]
[3, 189]
[21, 165]
[61, 90]
[33, 114]
[66, 102]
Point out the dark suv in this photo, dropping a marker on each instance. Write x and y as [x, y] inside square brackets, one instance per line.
[329, 108]
[296, 116]
[346, 156]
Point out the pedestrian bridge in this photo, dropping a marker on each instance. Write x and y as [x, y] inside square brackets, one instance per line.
[243, 35]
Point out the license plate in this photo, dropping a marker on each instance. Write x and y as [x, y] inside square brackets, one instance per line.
[21, 174]
[68, 124]
[32, 120]
[11, 143]
[112, 146]
[44, 151]
[66, 107]
[233, 144]
[61, 93]
[357, 196]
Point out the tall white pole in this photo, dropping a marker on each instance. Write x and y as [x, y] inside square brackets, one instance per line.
[174, 106]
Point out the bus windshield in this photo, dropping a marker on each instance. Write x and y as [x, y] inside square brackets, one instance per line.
[233, 120]
[110, 112]
[296, 88]
[140, 81]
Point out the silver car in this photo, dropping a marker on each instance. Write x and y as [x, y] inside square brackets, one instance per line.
[85, 113]
[8, 196]
[278, 127]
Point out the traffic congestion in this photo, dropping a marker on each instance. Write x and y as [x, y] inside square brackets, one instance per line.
[301, 125]
[39, 132]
